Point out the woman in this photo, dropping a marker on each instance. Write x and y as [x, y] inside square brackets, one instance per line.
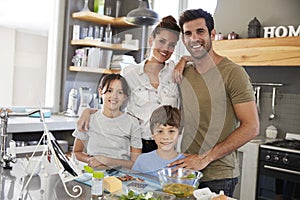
[150, 81]
[114, 137]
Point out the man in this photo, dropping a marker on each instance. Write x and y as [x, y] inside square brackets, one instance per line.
[218, 103]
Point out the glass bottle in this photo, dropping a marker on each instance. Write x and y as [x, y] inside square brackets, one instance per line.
[97, 185]
[99, 7]
[108, 34]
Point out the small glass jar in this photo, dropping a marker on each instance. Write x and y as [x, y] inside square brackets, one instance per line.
[97, 185]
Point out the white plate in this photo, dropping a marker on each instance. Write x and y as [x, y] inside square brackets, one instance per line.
[206, 194]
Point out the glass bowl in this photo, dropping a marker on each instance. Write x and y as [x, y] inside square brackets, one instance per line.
[181, 182]
[154, 194]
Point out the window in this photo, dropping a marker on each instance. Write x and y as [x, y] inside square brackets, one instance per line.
[208, 5]
[32, 50]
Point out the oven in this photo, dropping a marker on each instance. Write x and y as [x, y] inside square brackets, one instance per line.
[279, 171]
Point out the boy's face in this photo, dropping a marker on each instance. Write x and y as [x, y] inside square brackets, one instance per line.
[165, 137]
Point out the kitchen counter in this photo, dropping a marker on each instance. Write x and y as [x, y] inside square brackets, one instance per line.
[46, 185]
[31, 124]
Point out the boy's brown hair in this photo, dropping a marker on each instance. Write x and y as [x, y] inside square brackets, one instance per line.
[166, 115]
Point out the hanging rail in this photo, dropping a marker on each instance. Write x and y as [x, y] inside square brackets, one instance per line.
[268, 84]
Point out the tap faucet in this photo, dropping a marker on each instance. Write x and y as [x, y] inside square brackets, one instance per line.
[6, 157]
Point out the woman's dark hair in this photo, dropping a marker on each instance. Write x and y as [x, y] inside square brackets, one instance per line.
[166, 115]
[107, 79]
[167, 23]
[193, 14]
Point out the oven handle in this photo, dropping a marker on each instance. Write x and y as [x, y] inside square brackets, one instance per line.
[282, 170]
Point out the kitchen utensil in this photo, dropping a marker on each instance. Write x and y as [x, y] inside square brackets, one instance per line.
[85, 98]
[272, 115]
[181, 182]
[257, 94]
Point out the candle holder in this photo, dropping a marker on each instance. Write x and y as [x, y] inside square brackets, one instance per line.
[254, 27]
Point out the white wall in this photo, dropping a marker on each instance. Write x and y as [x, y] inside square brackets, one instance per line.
[24, 69]
[235, 15]
[7, 47]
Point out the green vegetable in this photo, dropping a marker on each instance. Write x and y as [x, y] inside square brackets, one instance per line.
[191, 176]
[132, 196]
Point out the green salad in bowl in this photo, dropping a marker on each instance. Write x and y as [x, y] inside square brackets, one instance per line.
[155, 195]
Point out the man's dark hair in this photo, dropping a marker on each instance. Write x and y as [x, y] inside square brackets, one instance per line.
[192, 14]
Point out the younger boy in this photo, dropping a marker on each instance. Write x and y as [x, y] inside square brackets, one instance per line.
[165, 125]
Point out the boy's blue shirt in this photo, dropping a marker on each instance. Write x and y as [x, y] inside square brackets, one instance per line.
[150, 163]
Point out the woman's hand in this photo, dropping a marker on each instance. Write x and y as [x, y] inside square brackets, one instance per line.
[84, 119]
[179, 68]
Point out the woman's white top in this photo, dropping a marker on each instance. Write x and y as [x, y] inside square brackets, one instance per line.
[144, 98]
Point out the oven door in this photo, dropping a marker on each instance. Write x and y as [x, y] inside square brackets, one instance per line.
[276, 182]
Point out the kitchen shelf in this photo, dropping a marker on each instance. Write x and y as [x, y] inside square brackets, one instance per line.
[281, 51]
[100, 19]
[93, 70]
[105, 45]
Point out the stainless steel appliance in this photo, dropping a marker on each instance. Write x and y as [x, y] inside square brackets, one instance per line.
[72, 103]
[86, 96]
[279, 170]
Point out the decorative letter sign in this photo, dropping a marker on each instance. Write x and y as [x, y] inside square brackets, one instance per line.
[281, 31]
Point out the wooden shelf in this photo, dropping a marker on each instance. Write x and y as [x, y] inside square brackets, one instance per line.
[100, 19]
[105, 45]
[93, 70]
[284, 51]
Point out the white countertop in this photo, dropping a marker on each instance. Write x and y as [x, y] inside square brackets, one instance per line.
[31, 124]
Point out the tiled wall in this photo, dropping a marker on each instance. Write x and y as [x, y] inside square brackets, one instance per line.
[287, 112]
[287, 106]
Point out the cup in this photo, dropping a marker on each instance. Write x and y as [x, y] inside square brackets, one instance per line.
[32, 166]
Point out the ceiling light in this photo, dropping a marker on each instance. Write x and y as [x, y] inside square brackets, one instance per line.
[142, 15]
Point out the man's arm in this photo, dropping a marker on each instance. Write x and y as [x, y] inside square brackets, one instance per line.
[248, 129]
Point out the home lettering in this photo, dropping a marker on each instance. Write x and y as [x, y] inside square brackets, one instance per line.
[281, 31]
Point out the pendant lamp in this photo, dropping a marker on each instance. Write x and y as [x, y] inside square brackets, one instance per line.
[142, 15]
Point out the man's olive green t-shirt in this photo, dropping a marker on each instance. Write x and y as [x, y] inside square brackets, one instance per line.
[209, 116]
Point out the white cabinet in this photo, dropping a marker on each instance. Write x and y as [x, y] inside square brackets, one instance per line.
[248, 177]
